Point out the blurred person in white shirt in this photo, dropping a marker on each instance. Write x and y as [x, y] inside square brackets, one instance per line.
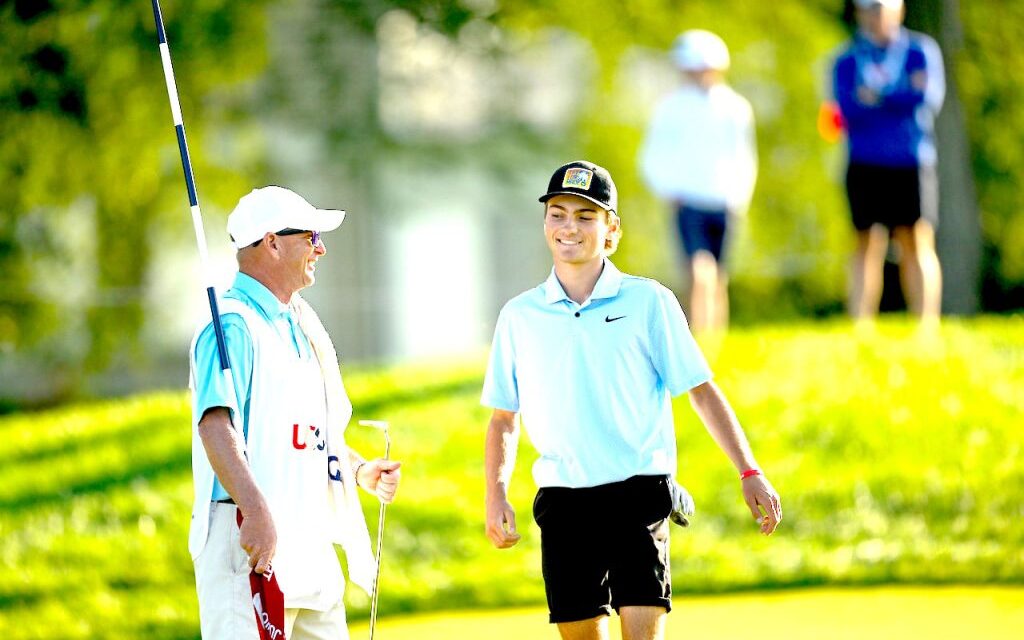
[700, 155]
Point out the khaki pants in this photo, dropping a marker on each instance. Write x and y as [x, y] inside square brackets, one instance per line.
[225, 598]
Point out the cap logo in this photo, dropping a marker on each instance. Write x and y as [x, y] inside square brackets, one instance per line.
[578, 178]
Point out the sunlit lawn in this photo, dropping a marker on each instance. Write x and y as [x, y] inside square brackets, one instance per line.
[900, 460]
[885, 613]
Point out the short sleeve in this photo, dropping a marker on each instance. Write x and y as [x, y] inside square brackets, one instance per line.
[501, 390]
[211, 386]
[935, 87]
[674, 353]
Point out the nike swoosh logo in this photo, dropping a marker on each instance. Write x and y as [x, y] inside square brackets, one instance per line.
[611, 319]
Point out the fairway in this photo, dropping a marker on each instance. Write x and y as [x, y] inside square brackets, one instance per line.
[904, 613]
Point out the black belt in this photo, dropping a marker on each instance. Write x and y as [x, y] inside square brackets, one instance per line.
[225, 501]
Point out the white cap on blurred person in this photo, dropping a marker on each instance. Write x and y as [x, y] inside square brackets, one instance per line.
[697, 50]
[272, 209]
[888, 4]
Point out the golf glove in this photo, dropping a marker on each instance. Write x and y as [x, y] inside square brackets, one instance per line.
[682, 504]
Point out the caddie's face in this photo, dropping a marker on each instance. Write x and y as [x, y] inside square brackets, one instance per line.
[298, 256]
[576, 229]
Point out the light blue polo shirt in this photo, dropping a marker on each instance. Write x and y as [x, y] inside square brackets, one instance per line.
[211, 389]
[594, 382]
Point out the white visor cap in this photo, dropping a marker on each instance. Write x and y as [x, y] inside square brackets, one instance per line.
[272, 209]
[697, 50]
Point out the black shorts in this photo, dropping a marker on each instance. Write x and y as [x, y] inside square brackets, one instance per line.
[702, 230]
[891, 196]
[605, 547]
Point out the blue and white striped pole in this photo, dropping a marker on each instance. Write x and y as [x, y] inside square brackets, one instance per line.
[268, 600]
[190, 184]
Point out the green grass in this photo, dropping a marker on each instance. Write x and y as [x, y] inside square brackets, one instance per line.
[898, 459]
[882, 613]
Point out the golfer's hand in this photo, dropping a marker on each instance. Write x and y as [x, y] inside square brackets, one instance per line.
[258, 537]
[380, 477]
[501, 524]
[760, 495]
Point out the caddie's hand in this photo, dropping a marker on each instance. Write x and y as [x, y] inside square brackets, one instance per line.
[380, 477]
[760, 495]
[501, 524]
[258, 538]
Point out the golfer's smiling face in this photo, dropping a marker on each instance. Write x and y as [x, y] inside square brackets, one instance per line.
[576, 229]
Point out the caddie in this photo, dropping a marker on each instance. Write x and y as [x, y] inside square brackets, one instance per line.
[272, 448]
[589, 361]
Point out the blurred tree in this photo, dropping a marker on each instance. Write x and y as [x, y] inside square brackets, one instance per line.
[86, 138]
[959, 234]
[991, 78]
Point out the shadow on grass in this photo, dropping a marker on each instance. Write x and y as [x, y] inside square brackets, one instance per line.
[85, 444]
[179, 462]
[377, 403]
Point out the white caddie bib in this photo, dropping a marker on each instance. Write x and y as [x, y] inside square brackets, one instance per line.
[287, 453]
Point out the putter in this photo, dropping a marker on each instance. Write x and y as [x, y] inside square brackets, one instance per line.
[383, 426]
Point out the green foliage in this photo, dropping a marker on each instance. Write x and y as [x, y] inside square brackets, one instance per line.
[446, 17]
[898, 458]
[86, 137]
[992, 91]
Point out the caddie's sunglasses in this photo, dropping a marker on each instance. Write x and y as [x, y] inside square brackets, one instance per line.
[313, 239]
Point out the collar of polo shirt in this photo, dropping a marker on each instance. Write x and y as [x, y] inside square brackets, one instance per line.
[607, 285]
[260, 295]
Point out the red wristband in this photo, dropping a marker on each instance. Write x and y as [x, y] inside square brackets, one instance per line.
[750, 472]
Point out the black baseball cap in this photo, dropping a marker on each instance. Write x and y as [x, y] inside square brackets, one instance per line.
[586, 180]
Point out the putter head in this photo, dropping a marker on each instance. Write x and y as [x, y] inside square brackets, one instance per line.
[383, 426]
[376, 424]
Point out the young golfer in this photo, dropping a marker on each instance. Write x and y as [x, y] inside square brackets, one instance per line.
[591, 359]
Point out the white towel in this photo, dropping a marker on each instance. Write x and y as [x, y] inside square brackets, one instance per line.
[349, 523]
